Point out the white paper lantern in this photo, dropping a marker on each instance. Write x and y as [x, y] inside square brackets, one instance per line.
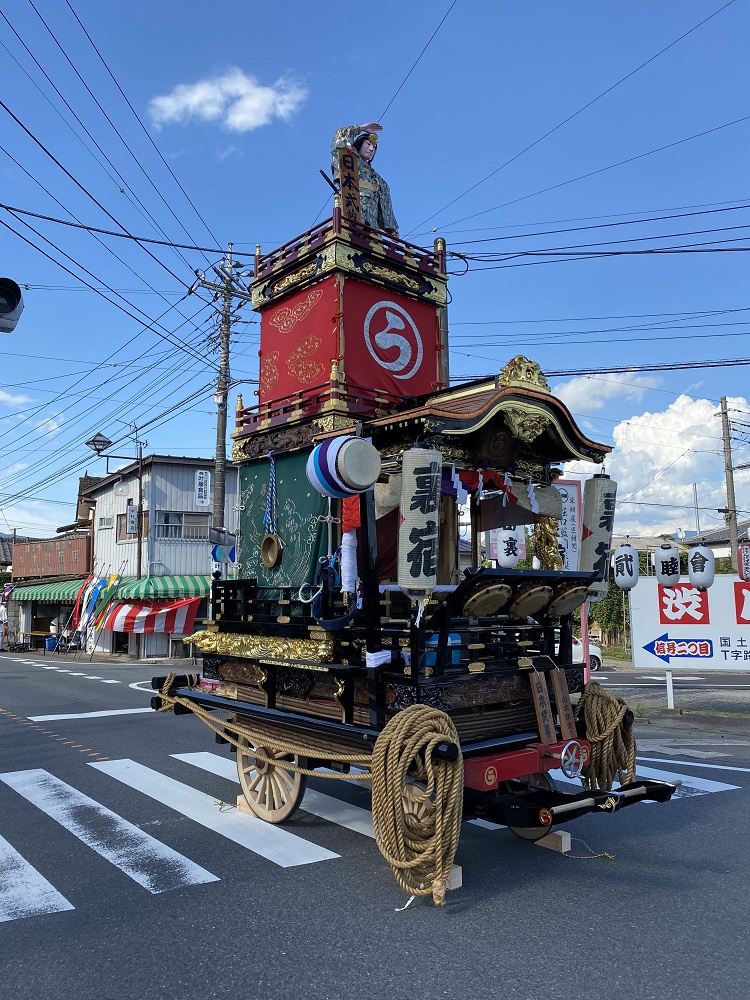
[701, 567]
[508, 548]
[599, 495]
[421, 470]
[667, 565]
[625, 566]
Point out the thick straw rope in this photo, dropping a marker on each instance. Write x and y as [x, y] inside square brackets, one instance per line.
[231, 731]
[420, 850]
[612, 743]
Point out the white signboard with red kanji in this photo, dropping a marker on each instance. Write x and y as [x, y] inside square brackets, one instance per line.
[682, 627]
[569, 525]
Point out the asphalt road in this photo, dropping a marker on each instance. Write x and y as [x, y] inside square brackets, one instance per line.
[208, 906]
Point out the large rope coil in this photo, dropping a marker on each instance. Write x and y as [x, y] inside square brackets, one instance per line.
[612, 742]
[417, 802]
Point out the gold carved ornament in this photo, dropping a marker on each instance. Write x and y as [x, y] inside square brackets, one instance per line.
[299, 364]
[544, 534]
[269, 374]
[265, 647]
[286, 317]
[521, 371]
[524, 425]
[292, 279]
[388, 275]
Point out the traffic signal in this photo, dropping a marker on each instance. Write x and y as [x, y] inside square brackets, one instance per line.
[11, 305]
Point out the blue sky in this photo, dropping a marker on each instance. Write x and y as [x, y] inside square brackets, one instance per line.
[489, 131]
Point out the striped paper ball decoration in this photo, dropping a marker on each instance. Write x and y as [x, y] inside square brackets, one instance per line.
[343, 466]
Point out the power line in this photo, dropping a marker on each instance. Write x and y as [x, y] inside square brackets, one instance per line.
[579, 111]
[738, 202]
[509, 254]
[101, 242]
[608, 225]
[120, 183]
[78, 184]
[601, 170]
[414, 64]
[143, 127]
[696, 313]
[573, 256]
[618, 369]
[108, 232]
[112, 124]
[175, 343]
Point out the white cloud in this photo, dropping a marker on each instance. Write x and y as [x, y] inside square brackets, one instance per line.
[9, 400]
[589, 392]
[235, 100]
[657, 458]
[35, 519]
[50, 425]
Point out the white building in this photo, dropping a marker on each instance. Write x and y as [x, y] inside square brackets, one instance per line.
[175, 552]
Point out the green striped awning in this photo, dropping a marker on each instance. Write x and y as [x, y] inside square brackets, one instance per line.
[163, 587]
[53, 592]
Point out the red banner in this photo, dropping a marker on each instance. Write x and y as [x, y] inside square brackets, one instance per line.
[298, 342]
[391, 341]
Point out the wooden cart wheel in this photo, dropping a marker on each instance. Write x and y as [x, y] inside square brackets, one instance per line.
[538, 780]
[417, 808]
[272, 790]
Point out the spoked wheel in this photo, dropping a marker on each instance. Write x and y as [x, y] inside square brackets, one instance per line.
[418, 809]
[273, 790]
[542, 781]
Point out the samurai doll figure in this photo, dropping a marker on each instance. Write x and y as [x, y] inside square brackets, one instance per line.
[374, 193]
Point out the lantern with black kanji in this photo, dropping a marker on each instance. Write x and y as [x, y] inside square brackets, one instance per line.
[508, 552]
[421, 470]
[625, 566]
[599, 495]
[667, 565]
[701, 567]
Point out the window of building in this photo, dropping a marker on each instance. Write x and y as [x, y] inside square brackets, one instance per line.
[122, 534]
[175, 524]
[106, 522]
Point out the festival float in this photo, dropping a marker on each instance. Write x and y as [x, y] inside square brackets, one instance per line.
[360, 640]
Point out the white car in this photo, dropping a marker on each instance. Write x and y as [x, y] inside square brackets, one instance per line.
[595, 654]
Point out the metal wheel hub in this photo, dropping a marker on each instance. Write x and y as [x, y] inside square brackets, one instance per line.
[572, 759]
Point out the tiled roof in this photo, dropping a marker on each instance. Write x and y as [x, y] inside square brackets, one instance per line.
[720, 536]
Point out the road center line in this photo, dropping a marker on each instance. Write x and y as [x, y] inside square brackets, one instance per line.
[90, 715]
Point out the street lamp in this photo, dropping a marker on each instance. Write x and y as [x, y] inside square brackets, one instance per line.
[99, 443]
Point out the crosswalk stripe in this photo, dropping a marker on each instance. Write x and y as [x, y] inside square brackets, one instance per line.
[271, 842]
[143, 858]
[318, 803]
[690, 784]
[693, 763]
[24, 892]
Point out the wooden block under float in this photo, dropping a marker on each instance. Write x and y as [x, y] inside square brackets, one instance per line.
[455, 877]
[558, 840]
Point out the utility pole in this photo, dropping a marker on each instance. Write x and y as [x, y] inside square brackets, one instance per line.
[228, 289]
[730, 513]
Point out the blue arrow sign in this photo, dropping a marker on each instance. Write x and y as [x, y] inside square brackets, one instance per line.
[690, 649]
[223, 554]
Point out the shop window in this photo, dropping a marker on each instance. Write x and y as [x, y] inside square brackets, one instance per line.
[172, 524]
